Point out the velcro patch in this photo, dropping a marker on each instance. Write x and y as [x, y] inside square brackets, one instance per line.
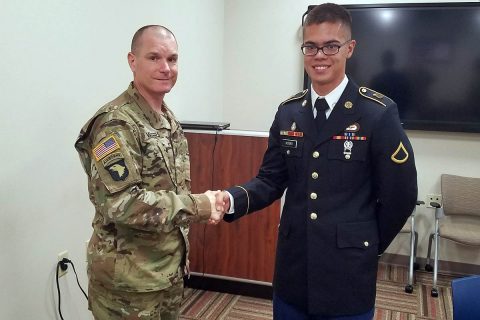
[118, 170]
[105, 147]
[111, 158]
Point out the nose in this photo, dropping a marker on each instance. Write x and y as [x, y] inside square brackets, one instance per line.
[320, 54]
[163, 66]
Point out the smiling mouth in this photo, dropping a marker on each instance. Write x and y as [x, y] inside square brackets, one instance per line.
[320, 68]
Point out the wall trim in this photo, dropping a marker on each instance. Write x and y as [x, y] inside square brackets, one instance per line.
[443, 266]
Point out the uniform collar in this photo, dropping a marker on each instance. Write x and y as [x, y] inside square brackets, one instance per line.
[158, 121]
[332, 97]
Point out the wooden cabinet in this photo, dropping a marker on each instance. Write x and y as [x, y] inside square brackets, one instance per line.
[244, 249]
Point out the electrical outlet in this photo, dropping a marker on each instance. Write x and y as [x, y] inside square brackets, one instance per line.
[61, 255]
[433, 198]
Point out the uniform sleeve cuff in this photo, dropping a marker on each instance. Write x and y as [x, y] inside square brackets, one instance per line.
[242, 200]
[202, 207]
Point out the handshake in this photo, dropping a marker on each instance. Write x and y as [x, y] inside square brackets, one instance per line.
[220, 204]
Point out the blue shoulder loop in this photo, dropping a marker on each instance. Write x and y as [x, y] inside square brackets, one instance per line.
[375, 96]
[295, 97]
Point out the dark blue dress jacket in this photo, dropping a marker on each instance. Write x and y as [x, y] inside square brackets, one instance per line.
[349, 190]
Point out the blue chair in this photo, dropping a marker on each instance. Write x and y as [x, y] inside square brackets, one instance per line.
[466, 298]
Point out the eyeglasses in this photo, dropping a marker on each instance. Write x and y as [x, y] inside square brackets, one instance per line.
[328, 50]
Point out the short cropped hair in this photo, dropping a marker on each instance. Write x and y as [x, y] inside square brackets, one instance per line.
[329, 12]
[138, 34]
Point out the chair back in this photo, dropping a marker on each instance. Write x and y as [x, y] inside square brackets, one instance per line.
[466, 298]
[460, 195]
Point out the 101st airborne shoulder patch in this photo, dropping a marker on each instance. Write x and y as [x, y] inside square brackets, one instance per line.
[400, 155]
[112, 161]
[115, 164]
[118, 170]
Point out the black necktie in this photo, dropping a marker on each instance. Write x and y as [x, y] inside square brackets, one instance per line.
[321, 105]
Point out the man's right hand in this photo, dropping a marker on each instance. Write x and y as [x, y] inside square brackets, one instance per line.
[222, 202]
[217, 209]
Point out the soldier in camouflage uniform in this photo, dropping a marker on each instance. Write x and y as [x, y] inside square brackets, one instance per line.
[136, 157]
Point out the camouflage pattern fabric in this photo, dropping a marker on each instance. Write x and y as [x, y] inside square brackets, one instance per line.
[138, 170]
[121, 305]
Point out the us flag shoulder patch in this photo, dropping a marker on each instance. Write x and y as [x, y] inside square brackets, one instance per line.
[105, 147]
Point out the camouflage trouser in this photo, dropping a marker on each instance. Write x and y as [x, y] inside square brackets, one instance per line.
[121, 305]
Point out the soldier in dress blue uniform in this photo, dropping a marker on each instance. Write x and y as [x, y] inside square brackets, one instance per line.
[349, 171]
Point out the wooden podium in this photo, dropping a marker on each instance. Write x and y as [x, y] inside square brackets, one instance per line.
[243, 250]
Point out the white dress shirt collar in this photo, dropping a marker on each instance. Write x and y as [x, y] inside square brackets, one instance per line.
[332, 97]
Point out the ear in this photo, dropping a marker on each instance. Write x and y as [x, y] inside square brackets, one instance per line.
[350, 48]
[131, 61]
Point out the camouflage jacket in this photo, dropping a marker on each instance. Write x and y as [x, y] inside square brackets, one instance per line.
[138, 170]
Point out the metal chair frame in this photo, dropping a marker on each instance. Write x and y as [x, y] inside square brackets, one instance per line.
[434, 237]
[412, 265]
[465, 192]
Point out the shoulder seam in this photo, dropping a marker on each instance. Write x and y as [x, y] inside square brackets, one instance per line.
[118, 102]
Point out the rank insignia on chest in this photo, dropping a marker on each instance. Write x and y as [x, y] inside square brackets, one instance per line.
[294, 126]
[291, 133]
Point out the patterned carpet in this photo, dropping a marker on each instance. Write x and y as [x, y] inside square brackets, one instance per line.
[392, 302]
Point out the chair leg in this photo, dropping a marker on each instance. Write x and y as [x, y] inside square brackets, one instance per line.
[428, 266]
[434, 292]
[416, 266]
[409, 286]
